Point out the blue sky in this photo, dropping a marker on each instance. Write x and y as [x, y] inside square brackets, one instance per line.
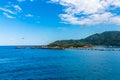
[37, 22]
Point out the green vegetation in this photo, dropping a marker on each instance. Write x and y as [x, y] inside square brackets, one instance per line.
[108, 38]
[69, 44]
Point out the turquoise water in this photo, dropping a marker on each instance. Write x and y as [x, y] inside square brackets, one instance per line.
[72, 64]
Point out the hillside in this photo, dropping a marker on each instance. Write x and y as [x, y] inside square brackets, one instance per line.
[108, 38]
[69, 43]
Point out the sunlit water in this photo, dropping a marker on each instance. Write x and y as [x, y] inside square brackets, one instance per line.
[72, 64]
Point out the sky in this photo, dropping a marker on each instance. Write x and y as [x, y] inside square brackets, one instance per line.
[39, 22]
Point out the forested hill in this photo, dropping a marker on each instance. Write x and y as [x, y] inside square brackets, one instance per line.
[108, 38]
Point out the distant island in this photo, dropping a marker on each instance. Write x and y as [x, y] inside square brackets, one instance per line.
[107, 38]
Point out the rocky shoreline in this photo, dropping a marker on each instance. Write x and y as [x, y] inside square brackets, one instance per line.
[61, 48]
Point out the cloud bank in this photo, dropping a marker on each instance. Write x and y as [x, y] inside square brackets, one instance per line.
[90, 12]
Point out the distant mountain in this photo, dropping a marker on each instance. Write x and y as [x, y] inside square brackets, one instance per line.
[108, 38]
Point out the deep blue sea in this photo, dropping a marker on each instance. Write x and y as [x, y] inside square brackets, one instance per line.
[71, 64]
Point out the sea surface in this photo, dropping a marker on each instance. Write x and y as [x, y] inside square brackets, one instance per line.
[69, 64]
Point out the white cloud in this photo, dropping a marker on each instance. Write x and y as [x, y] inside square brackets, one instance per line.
[21, 0]
[8, 16]
[17, 8]
[89, 12]
[10, 9]
[29, 15]
[7, 10]
[24, 0]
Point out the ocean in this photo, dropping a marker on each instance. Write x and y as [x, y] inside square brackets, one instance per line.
[69, 64]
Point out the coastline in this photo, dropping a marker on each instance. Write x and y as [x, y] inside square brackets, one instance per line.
[95, 48]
